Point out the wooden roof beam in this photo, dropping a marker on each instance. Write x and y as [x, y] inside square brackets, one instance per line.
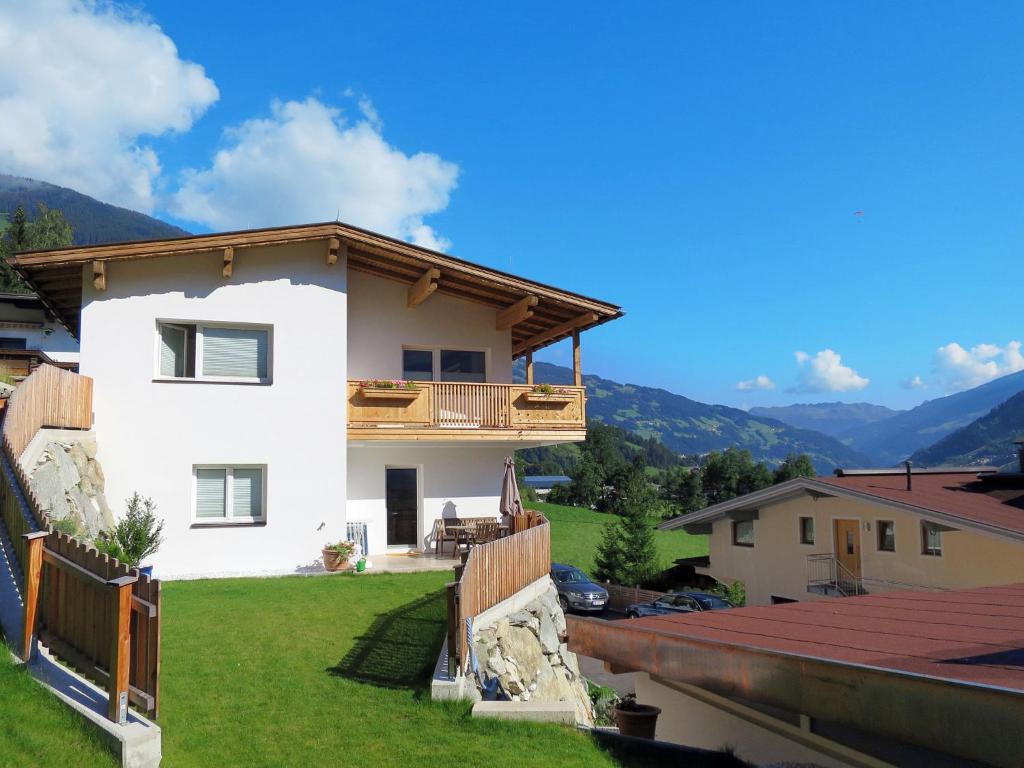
[336, 248]
[421, 290]
[554, 333]
[517, 313]
[229, 261]
[99, 275]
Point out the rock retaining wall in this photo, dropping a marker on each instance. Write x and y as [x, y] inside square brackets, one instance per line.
[525, 652]
[69, 483]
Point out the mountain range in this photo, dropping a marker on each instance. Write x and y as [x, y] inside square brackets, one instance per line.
[988, 440]
[92, 221]
[835, 419]
[694, 428]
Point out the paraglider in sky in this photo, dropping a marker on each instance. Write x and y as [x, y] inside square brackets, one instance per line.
[859, 215]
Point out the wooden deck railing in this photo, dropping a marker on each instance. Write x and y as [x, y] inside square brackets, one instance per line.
[494, 572]
[457, 406]
[93, 612]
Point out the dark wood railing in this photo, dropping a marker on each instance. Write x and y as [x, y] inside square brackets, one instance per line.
[93, 612]
[493, 572]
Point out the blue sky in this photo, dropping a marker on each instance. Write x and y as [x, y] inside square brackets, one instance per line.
[700, 164]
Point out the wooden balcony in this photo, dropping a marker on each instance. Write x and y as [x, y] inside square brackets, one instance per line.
[450, 411]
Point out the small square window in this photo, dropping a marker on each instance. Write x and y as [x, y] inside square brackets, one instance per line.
[931, 540]
[229, 495]
[886, 536]
[806, 530]
[743, 533]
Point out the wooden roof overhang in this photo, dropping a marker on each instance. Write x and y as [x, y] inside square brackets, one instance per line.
[537, 314]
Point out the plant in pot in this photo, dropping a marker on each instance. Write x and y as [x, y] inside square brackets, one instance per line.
[136, 536]
[336, 556]
[635, 719]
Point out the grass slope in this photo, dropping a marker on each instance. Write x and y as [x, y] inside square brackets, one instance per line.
[576, 532]
[38, 730]
[308, 671]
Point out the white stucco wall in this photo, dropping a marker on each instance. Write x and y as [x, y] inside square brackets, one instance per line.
[58, 344]
[380, 324]
[454, 480]
[152, 433]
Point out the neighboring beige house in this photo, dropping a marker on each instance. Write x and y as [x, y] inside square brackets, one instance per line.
[910, 679]
[867, 531]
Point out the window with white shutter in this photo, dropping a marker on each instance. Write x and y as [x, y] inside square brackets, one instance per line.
[229, 494]
[213, 352]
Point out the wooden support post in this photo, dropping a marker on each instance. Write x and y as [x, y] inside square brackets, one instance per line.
[577, 369]
[529, 367]
[229, 261]
[421, 290]
[99, 275]
[120, 647]
[33, 577]
[336, 248]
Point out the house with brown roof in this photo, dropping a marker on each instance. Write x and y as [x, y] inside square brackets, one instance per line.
[867, 531]
[931, 679]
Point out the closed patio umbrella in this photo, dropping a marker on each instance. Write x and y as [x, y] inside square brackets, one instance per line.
[511, 504]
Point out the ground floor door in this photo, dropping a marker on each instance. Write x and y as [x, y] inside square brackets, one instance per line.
[402, 501]
[847, 543]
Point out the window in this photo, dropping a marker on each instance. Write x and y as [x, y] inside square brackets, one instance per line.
[886, 536]
[806, 530]
[214, 352]
[931, 540]
[229, 495]
[417, 365]
[457, 365]
[12, 342]
[743, 533]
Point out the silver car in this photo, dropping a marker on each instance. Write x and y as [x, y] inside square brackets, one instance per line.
[576, 590]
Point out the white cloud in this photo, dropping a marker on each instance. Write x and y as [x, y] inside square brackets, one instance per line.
[758, 382]
[82, 84]
[914, 382]
[825, 372]
[306, 162]
[957, 368]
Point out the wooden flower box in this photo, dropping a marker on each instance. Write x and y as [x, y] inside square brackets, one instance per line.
[390, 393]
[559, 398]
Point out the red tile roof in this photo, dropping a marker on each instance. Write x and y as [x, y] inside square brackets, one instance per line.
[958, 494]
[968, 636]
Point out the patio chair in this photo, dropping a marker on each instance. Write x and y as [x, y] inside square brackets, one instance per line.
[485, 531]
[442, 534]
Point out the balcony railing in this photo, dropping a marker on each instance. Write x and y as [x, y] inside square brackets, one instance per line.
[517, 409]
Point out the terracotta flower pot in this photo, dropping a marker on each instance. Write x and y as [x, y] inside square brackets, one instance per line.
[335, 561]
[639, 722]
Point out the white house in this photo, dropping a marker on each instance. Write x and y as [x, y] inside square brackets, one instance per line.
[232, 385]
[25, 324]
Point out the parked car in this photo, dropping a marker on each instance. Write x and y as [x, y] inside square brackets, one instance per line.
[576, 590]
[679, 602]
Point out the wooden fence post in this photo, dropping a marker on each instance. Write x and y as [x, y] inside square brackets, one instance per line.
[120, 647]
[451, 595]
[33, 575]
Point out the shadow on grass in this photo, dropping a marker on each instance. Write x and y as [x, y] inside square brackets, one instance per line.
[400, 647]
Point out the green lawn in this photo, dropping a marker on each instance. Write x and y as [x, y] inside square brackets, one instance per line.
[38, 730]
[317, 671]
[576, 532]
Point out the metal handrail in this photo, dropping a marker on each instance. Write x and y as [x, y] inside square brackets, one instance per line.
[824, 569]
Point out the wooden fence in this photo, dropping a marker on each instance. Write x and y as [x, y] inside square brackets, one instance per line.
[93, 612]
[493, 572]
[620, 598]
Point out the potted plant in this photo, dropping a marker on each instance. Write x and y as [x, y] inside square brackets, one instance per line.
[336, 556]
[136, 536]
[636, 719]
[389, 389]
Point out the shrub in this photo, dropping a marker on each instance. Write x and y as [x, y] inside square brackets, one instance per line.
[735, 593]
[138, 534]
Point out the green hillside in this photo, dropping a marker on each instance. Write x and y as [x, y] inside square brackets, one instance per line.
[93, 222]
[693, 428]
[988, 440]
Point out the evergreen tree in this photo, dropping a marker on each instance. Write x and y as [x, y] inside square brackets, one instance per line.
[794, 466]
[587, 484]
[49, 229]
[609, 561]
[683, 488]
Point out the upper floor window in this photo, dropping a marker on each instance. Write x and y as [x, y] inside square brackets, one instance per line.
[743, 533]
[931, 540]
[456, 365]
[806, 530]
[214, 352]
[13, 342]
[886, 536]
